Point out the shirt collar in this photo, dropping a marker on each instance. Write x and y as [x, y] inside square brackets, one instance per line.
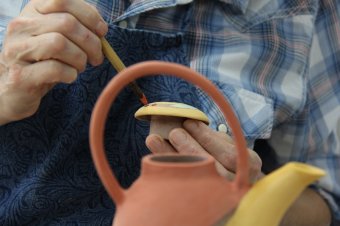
[238, 4]
[139, 6]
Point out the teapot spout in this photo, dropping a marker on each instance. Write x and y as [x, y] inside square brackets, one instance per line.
[267, 201]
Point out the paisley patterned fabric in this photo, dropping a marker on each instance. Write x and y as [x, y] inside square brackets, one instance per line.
[47, 174]
[276, 61]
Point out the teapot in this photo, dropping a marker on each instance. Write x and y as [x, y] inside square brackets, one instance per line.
[185, 190]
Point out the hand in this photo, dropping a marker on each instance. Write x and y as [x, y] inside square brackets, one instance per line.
[197, 137]
[49, 42]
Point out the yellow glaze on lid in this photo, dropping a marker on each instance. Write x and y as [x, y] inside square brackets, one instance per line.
[170, 109]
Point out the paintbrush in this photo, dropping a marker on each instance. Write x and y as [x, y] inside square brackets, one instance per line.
[119, 66]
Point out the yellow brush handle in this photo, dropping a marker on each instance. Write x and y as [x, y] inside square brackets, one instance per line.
[119, 66]
[112, 55]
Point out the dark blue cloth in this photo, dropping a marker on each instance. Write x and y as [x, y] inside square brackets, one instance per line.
[47, 175]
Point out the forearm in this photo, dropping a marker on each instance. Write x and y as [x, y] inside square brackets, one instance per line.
[310, 209]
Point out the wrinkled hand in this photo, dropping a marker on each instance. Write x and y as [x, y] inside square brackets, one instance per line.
[49, 42]
[198, 138]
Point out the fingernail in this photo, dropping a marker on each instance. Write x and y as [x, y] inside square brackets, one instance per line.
[192, 125]
[101, 28]
[155, 144]
[178, 137]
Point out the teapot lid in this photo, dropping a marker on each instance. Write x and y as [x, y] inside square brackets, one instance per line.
[170, 109]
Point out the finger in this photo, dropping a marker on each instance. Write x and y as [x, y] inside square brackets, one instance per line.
[213, 142]
[221, 149]
[222, 171]
[157, 144]
[48, 72]
[225, 136]
[45, 47]
[185, 144]
[83, 11]
[62, 23]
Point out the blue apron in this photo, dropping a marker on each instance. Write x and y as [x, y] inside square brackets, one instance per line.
[47, 175]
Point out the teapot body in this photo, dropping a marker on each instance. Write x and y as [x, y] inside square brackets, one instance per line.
[177, 190]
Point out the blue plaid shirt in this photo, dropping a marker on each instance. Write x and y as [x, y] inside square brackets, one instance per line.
[277, 62]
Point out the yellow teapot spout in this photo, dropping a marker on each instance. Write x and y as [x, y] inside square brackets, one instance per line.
[267, 201]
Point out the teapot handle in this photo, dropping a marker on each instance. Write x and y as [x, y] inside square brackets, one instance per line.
[105, 100]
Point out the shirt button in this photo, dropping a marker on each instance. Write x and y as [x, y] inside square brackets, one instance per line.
[123, 24]
[222, 128]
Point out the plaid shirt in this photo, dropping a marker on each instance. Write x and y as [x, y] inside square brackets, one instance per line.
[277, 62]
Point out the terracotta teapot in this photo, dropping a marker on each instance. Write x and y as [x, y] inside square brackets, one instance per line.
[185, 190]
